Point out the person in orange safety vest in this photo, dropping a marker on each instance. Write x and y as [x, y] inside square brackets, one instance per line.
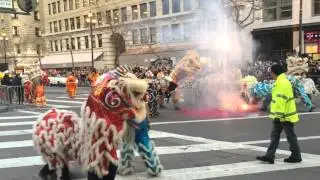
[71, 85]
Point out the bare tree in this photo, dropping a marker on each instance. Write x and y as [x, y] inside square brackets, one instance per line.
[243, 11]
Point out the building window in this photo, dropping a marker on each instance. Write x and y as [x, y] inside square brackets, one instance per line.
[116, 16]
[205, 4]
[93, 42]
[79, 42]
[60, 25]
[187, 28]
[165, 7]
[50, 26]
[153, 35]
[135, 37]
[67, 44]
[17, 48]
[175, 6]
[66, 24]
[70, 5]
[85, 23]
[86, 40]
[108, 17]
[143, 10]
[58, 5]
[49, 9]
[77, 4]
[187, 5]
[51, 46]
[56, 46]
[73, 43]
[316, 7]
[55, 26]
[277, 10]
[99, 18]
[72, 24]
[85, 3]
[99, 40]
[37, 31]
[38, 49]
[286, 9]
[78, 22]
[134, 12]
[65, 5]
[153, 9]
[124, 16]
[54, 8]
[144, 35]
[176, 32]
[166, 34]
[60, 45]
[15, 31]
[36, 15]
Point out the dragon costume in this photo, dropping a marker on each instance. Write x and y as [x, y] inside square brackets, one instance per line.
[92, 140]
[258, 90]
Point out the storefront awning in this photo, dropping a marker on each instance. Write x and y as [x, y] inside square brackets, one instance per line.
[65, 60]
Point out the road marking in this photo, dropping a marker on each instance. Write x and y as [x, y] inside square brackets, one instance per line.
[29, 112]
[15, 144]
[225, 170]
[76, 98]
[17, 117]
[23, 123]
[16, 132]
[21, 162]
[282, 140]
[223, 119]
[64, 101]
[58, 106]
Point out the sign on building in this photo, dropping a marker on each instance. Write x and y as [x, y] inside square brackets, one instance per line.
[7, 4]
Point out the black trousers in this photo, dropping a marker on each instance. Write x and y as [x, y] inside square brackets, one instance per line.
[110, 176]
[291, 138]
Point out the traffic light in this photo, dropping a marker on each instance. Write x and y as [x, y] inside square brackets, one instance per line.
[26, 5]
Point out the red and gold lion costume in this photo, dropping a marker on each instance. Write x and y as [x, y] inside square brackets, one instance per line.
[61, 136]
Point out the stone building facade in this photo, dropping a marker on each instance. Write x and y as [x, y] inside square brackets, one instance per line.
[21, 39]
[151, 29]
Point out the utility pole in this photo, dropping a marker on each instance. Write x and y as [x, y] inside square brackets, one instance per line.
[300, 29]
[91, 21]
[71, 53]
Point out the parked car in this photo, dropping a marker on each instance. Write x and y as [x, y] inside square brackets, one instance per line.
[58, 81]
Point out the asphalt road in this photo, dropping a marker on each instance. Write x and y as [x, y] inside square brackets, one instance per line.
[189, 147]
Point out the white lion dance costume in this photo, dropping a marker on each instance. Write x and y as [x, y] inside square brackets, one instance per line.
[92, 140]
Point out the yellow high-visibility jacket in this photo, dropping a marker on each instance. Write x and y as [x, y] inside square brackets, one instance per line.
[283, 105]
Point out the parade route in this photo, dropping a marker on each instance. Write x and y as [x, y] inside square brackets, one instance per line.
[189, 148]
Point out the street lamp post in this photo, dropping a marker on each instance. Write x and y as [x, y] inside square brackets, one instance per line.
[91, 21]
[300, 29]
[4, 38]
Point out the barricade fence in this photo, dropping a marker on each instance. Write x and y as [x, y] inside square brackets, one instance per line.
[12, 95]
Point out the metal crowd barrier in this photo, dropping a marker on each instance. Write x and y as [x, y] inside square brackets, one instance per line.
[11, 95]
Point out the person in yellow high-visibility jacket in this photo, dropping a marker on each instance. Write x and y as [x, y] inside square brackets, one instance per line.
[284, 114]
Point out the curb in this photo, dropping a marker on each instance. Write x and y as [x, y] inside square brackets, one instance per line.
[4, 109]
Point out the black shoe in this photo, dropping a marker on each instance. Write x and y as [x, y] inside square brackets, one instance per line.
[292, 160]
[265, 159]
[312, 109]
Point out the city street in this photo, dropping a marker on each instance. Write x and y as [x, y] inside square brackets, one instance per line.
[189, 147]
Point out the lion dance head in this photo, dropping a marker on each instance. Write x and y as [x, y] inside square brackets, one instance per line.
[61, 136]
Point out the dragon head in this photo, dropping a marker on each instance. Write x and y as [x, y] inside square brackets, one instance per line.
[115, 99]
[122, 98]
